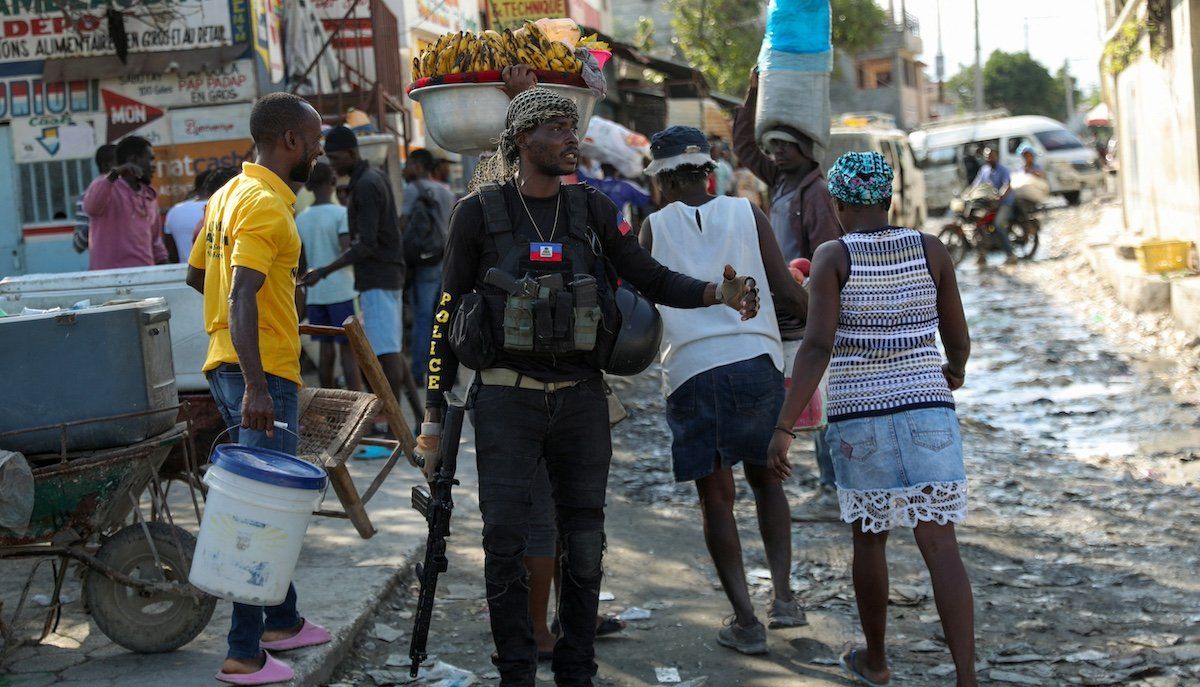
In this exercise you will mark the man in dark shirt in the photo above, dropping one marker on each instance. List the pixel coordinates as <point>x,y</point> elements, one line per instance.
<point>375,251</point>
<point>802,217</point>
<point>527,406</point>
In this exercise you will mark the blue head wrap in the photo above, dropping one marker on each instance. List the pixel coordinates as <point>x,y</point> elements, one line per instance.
<point>1025,148</point>
<point>861,179</point>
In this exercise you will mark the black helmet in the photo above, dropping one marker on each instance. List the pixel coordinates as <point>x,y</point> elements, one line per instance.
<point>639,337</point>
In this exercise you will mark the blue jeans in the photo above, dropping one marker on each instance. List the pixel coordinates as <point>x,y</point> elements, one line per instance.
<point>723,416</point>
<point>228,386</point>
<point>825,474</point>
<point>426,288</point>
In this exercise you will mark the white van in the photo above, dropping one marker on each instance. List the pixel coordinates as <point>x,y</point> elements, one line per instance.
<point>854,134</point>
<point>950,155</point>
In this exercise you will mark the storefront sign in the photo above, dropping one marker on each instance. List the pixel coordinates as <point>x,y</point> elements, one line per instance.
<point>176,166</point>
<point>46,29</point>
<point>512,14</point>
<point>231,83</point>
<point>30,96</point>
<point>268,36</point>
<point>438,13</point>
<point>202,124</point>
<point>125,115</point>
<point>66,136</point>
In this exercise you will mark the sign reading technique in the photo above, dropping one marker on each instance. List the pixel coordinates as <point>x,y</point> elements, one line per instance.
<point>512,14</point>
<point>41,30</point>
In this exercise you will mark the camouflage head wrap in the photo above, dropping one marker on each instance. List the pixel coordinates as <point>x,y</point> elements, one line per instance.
<point>529,109</point>
<point>861,179</point>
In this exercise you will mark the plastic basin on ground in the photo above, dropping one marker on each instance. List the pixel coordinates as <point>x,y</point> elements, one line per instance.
<point>467,118</point>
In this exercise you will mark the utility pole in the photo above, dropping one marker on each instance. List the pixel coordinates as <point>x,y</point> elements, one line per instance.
<point>978,66</point>
<point>940,61</point>
<point>1069,87</point>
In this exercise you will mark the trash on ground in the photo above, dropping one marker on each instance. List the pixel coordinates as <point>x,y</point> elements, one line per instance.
<point>386,633</point>
<point>634,613</point>
<point>667,675</point>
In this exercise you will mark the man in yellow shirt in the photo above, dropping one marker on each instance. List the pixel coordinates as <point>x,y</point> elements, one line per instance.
<point>244,263</point>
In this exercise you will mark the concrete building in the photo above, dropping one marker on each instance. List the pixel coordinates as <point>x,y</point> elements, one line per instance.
<point>888,78</point>
<point>1156,106</point>
<point>1150,80</point>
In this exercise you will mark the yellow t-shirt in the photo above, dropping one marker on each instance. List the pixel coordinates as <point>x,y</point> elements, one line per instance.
<point>249,223</point>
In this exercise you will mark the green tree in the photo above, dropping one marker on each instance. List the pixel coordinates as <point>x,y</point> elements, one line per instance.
<point>961,88</point>
<point>857,25</point>
<point>722,38</point>
<point>1014,81</point>
<point>1021,84</point>
<point>643,37</point>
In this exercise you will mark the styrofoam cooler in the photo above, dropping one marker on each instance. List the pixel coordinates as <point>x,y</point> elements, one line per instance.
<point>259,505</point>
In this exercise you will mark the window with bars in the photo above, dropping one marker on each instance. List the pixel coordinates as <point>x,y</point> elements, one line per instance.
<point>48,190</point>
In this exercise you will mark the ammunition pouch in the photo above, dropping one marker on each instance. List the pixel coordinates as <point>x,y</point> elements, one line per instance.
<point>470,334</point>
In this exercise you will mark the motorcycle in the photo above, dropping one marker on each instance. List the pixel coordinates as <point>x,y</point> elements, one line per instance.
<point>974,227</point>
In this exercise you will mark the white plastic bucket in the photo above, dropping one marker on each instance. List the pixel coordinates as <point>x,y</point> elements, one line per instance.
<point>258,508</point>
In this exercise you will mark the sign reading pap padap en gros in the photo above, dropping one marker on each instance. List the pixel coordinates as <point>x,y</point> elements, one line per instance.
<point>52,29</point>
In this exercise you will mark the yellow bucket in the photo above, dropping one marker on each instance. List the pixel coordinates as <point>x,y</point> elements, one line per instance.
<point>1158,257</point>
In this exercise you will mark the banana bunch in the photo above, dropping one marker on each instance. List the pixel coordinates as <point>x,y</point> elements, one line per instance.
<point>462,52</point>
<point>592,42</point>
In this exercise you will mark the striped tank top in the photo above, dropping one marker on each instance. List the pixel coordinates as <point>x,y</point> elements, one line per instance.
<point>885,356</point>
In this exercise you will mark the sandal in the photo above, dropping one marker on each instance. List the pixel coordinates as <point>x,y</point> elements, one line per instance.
<point>310,634</point>
<point>606,625</point>
<point>850,665</point>
<point>609,625</point>
<point>273,671</point>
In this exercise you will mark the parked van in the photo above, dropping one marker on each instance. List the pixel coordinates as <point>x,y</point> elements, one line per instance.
<point>878,134</point>
<point>950,154</point>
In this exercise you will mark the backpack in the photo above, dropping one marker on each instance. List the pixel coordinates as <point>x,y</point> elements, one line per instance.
<point>424,240</point>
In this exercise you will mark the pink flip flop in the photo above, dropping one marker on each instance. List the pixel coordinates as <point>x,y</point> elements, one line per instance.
<point>273,670</point>
<point>310,634</point>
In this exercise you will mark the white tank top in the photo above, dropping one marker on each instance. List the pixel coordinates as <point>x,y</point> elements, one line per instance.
<point>699,242</point>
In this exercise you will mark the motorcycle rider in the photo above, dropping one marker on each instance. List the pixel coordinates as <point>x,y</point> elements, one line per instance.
<point>998,177</point>
<point>1029,157</point>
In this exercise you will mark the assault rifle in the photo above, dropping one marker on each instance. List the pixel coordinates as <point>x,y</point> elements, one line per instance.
<point>436,504</point>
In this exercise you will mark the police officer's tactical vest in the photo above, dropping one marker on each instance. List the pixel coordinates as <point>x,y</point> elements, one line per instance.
<point>551,297</point>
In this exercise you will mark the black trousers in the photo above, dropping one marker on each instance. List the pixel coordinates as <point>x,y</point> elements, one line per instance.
<point>515,429</point>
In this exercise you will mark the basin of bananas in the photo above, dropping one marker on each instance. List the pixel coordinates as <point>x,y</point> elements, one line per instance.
<point>465,52</point>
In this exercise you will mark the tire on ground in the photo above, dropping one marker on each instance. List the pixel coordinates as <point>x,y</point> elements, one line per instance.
<point>147,624</point>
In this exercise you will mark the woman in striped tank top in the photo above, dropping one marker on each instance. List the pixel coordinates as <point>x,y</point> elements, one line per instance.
<point>879,296</point>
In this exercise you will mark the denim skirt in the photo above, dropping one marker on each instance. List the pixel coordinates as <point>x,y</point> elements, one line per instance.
<point>899,469</point>
<point>724,416</point>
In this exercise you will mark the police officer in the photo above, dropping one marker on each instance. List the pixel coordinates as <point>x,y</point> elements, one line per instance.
<point>529,301</point>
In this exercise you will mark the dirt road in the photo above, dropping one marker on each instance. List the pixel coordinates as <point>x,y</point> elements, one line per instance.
<point>1081,437</point>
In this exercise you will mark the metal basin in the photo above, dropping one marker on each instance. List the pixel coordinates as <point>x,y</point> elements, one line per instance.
<point>466,118</point>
